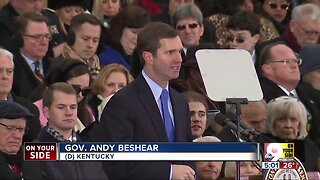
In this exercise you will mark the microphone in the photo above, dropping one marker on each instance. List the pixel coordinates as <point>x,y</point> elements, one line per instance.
<point>245,134</point>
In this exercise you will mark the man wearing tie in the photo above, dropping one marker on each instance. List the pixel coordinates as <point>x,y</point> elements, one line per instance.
<point>148,110</point>
<point>31,61</point>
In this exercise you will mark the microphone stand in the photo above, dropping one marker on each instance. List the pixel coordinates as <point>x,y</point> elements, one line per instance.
<point>237,102</point>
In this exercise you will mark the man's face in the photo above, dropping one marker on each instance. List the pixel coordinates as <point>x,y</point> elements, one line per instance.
<point>87,40</point>
<point>281,73</point>
<point>208,170</point>
<point>174,4</point>
<point>306,30</point>
<point>62,113</point>
<point>242,39</point>
<point>6,76</point>
<point>35,40</point>
<point>189,31</point>
<point>10,137</point>
<point>198,115</point>
<point>165,65</point>
<point>27,6</point>
<point>254,115</point>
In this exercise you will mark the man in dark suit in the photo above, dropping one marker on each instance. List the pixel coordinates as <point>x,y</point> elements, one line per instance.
<point>280,76</point>
<point>6,79</point>
<point>15,8</point>
<point>13,126</point>
<point>31,62</point>
<point>140,113</point>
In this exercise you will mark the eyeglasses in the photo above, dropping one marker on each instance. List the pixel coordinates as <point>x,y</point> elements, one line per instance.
<point>183,27</point>
<point>39,37</point>
<point>307,32</point>
<point>289,61</point>
<point>84,91</point>
<point>238,40</point>
<point>282,6</point>
<point>13,129</point>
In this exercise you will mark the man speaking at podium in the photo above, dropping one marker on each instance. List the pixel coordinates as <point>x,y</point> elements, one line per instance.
<point>148,110</point>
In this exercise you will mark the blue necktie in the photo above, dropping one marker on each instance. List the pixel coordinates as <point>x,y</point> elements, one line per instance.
<point>166,115</point>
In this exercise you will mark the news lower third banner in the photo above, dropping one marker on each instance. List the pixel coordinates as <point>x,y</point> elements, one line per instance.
<point>142,151</point>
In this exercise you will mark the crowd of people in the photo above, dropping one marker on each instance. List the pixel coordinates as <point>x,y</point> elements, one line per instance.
<point>126,71</point>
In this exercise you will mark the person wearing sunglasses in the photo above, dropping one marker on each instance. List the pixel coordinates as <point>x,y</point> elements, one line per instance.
<point>188,21</point>
<point>277,11</point>
<point>243,31</point>
<point>78,75</point>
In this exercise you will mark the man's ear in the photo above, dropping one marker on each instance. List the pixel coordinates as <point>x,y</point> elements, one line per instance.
<point>148,57</point>
<point>256,38</point>
<point>46,112</point>
<point>266,69</point>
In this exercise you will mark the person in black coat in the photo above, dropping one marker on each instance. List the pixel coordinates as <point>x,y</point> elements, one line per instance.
<point>13,125</point>
<point>31,61</point>
<point>6,80</point>
<point>287,123</point>
<point>60,107</point>
<point>280,76</point>
<point>15,8</point>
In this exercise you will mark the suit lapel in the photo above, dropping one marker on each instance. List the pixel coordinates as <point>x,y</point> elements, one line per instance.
<point>178,114</point>
<point>150,105</point>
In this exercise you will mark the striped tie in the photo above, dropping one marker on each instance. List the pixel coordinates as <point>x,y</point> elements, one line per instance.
<point>37,71</point>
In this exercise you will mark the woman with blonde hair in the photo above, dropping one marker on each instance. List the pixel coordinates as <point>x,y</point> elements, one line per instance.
<point>110,80</point>
<point>104,10</point>
<point>286,123</point>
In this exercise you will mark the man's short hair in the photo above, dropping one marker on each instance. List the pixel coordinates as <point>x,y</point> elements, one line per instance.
<point>192,96</point>
<point>6,53</point>
<point>310,10</point>
<point>21,22</point>
<point>82,18</point>
<point>150,35</point>
<point>60,86</point>
<point>265,56</point>
<point>184,11</point>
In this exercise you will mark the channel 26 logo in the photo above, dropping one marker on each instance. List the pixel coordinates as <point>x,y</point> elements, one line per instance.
<point>276,151</point>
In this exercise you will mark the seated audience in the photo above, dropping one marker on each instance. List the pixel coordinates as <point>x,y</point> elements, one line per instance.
<point>105,10</point>
<point>188,21</point>
<point>198,109</point>
<point>253,116</point>
<point>77,74</point>
<point>60,107</point>
<point>6,79</point>
<point>208,170</point>
<point>280,76</point>
<point>110,80</point>
<point>66,10</point>
<point>247,168</point>
<point>82,41</point>
<point>286,123</point>
<point>13,125</point>
<point>121,39</point>
<point>31,62</point>
<point>243,32</point>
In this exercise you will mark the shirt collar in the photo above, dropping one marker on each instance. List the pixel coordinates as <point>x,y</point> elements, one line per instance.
<point>155,88</point>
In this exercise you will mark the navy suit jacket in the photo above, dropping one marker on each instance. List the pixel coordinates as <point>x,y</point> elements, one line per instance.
<point>132,115</point>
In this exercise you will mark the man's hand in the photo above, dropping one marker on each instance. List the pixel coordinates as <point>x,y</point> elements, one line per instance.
<point>180,172</point>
